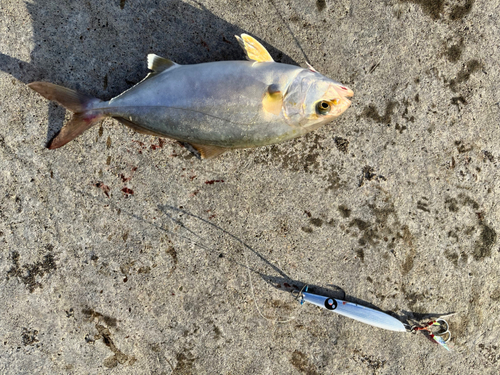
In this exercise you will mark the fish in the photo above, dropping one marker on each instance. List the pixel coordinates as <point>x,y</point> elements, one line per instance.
<point>212,107</point>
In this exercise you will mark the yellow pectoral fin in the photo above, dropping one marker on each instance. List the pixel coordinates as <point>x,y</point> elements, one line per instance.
<point>272,101</point>
<point>253,49</point>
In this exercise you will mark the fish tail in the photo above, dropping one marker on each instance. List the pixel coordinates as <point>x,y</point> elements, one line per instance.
<point>81,105</point>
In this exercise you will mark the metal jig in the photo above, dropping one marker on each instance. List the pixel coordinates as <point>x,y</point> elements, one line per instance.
<point>352,310</point>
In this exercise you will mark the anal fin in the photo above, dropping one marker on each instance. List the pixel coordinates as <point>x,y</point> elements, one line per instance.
<point>201,151</point>
<point>205,151</point>
<point>138,128</point>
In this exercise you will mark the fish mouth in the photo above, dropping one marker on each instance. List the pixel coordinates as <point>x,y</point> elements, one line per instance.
<point>344,104</point>
<point>346,101</point>
<point>343,90</point>
<point>348,93</point>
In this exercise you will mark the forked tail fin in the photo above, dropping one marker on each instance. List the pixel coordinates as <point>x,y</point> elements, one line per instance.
<point>81,105</point>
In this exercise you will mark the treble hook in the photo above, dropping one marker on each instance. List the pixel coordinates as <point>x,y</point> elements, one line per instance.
<point>438,330</point>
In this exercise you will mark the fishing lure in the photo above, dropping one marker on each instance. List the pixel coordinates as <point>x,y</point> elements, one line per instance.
<point>352,310</point>
<point>437,330</point>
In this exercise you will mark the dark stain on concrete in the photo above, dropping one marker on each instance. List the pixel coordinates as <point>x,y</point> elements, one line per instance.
<point>462,148</point>
<point>400,128</point>
<point>344,211</point>
<point>342,144</point>
<point>373,363</point>
<point>321,5</point>
<point>316,222</point>
<point>460,11</point>
<point>369,234</point>
<point>144,270</point>
<point>488,155</point>
<point>423,205</point>
<point>29,273</point>
<point>407,265</point>
<point>452,257</point>
<point>91,314</point>
<point>433,8</point>
<point>300,361</point>
<point>118,356</point>
<point>360,254</point>
<point>127,266</point>
<point>454,52</point>
<point>406,103</point>
<point>490,353</point>
<point>384,229</point>
<point>304,161</point>
<point>451,204</point>
<point>360,224</point>
<point>122,4</point>
<point>371,112</point>
<point>185,363</point>
<point>217,332</point>
<point>413,298</point>
<point>484,244</point>
<point>468,201</point>
<point>456,100</point>
<point>455,257</point>
<point>495,296</point>
<point>29,336</point>
<point>382,213</point>
<point>171,251</point>
<point>464,74</point>
<point>334,180</point>
<point>367,174</point>
<point>307,229</point>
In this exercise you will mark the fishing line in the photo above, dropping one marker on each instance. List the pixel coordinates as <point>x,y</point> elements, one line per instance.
<point>277,320</point>
<point>245,247</point>
<point>290,31</point>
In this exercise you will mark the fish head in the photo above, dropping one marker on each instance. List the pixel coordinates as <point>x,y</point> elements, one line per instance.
<point>313,100</point>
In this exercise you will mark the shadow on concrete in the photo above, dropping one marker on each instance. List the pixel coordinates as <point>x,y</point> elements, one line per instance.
<point>100,47</point>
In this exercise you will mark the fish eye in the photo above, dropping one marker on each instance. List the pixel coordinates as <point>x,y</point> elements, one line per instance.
<point>323,107</point>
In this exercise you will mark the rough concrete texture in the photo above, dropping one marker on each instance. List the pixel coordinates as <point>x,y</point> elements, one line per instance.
<point>122,253</point>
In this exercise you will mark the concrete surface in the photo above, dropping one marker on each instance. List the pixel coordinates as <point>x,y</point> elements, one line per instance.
<point>121,253</point>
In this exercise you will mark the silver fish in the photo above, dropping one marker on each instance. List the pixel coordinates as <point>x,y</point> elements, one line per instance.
<point>212,106</point>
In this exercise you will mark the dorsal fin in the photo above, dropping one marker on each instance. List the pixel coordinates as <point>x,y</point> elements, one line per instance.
<point>158,64</point>
<point>253,49</point>
<point>311,68</point>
